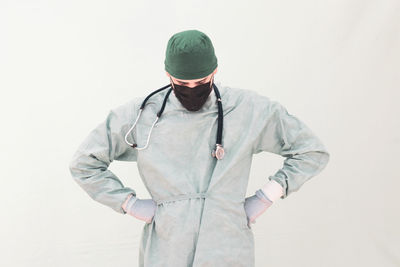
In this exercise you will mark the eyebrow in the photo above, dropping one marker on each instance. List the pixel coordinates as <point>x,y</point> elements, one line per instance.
<point>195,82</point>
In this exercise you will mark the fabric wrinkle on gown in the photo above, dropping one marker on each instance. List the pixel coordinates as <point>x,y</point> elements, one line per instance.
<point>200,218</point>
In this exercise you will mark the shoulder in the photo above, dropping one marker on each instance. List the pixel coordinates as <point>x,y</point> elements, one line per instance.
<point>252,99</point>
<point>127,110</point>
<point>236,97</point>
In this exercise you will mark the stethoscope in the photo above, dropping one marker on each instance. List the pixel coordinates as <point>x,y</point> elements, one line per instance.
<point>218,152</point>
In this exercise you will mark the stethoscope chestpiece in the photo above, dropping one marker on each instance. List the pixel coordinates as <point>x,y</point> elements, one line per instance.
<point>218,152</point>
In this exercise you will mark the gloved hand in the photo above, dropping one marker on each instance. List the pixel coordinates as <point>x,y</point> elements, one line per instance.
<point>255,205</point>
<point>262,200</point>
<point>142,209</point>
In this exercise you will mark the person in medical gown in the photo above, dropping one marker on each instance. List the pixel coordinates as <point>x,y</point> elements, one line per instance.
<point>198,214</point>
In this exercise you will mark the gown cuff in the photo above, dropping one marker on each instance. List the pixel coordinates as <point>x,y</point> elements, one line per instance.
<point>124,205</point>
<point>273,190</point>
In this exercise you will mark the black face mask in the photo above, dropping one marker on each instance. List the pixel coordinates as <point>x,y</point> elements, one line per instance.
<point>193,98</point>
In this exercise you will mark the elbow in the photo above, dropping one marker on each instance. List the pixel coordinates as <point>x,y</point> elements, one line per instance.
<point>71,166</point>
<point>74,169</point>
<point>324,159</point>
<point>323,156</point>
<point>318,158</point>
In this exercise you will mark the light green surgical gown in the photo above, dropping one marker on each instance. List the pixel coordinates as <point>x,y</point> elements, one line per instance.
<point>200,218</point>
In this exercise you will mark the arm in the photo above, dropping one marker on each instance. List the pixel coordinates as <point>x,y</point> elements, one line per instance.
<point>105,143</point>
<point>284,134</point>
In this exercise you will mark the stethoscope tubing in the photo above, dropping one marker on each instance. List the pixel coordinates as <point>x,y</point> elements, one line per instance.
<point>218,152</point>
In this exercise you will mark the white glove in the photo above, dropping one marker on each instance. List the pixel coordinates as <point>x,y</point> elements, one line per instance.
<point>255,206</point>
<point>142,209</point>
<point>262,200</point>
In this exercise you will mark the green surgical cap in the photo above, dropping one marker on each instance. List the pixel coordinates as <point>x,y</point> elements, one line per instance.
<point>190,55</point>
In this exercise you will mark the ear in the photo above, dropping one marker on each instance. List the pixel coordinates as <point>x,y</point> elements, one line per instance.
<point>172,83</point>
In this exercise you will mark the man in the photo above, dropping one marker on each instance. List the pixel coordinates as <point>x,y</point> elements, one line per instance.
<point>198,214</point>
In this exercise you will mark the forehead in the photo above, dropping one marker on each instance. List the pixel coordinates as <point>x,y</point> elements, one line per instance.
<point>195,81</point>
<point>191,81</point>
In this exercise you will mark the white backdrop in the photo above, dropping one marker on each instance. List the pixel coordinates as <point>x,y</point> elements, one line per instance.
<point>334,64</point>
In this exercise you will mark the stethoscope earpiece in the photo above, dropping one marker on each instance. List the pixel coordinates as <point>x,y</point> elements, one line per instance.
<point>218,152</point>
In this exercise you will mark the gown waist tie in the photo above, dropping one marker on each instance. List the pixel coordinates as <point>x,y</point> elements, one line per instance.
<point>182,197</point>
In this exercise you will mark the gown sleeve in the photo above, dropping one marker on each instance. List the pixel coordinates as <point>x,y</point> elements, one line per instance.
<point>105,143</point>
<point>282,133</point>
